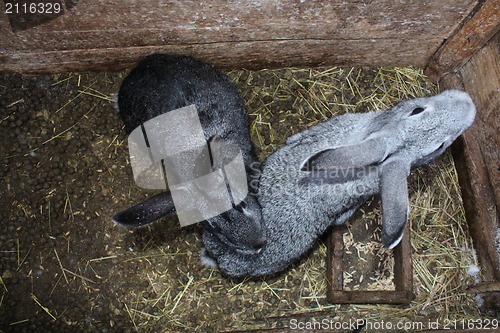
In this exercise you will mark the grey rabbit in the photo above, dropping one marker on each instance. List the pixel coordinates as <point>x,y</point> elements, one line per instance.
<point>161,83</point>
<point>323,174</point>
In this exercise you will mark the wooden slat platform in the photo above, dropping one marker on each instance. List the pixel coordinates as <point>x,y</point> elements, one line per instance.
<point>403,278</point>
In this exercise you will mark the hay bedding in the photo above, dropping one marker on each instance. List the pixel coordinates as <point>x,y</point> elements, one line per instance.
<point>61,249</point>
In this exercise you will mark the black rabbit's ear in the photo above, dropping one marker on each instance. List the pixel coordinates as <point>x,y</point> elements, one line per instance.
<point>395,204</point>
<point>214,145</point>
<point>360,155</point>
<point>147,211</point>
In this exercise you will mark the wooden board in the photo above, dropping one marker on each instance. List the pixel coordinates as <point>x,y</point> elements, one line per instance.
<point>478,29</point>
<point>113,34</point>
<point>477,156</point>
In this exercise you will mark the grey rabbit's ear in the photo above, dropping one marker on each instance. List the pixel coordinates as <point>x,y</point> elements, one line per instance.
<point>147,211</point>
<point>363,154</point>
<point>395,204</point>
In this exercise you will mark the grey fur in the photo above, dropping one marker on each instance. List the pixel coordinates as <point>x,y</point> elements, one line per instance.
<point>161,83</point>
<point>304,188</point>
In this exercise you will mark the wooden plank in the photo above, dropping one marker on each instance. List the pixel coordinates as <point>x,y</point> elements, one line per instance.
<point>477,195</point>
<point>484,287</point>
<point>479,28</point>
<point>481,77</point>
<point>335,260</point>
<point>250,55</point>
<point>371,297</point>
<point>477,158</point>
<point>403,266</point>
<point>111,34</point>
<point>99,23</point>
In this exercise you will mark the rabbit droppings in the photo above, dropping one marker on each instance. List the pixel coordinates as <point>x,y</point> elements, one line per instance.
<point>161,83</point>
<point>323,174</point>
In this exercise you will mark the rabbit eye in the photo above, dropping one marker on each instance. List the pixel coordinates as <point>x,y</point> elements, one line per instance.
<point>417,111</point>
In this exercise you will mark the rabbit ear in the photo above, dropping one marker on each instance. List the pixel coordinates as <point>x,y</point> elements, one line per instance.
<point>215,151</point>
<point>358,155</point>
<point>147,211</point>
<point>395,205</point>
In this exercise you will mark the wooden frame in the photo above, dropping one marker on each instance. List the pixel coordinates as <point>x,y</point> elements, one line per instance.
<point>481,25</point>
<point>403,278</point>
<point>456,41</point>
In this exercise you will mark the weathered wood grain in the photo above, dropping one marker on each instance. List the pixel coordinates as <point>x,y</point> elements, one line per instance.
<point>477,158</point>
<point>334,260</point>
<point>403,266</point>
<point>98,34</point>
<point>481,77</point>
<point>479,28</point>
<point>484,287</point>
<point>250,55</point>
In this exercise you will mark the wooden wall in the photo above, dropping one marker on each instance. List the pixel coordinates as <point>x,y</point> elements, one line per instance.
<point>114,34</point>
<point>477,158</point>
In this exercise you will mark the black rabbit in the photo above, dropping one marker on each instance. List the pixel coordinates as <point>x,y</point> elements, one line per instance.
<point>161,83</point>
